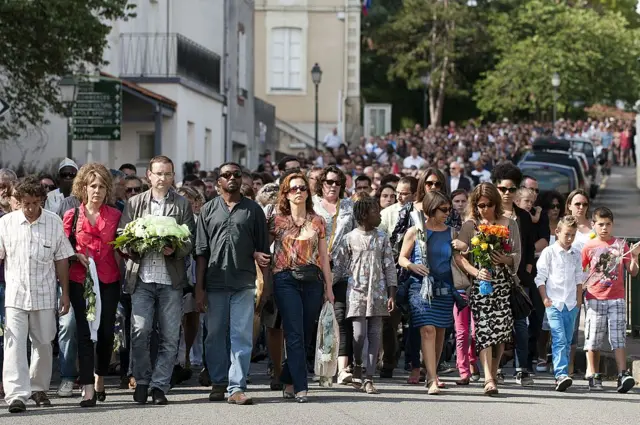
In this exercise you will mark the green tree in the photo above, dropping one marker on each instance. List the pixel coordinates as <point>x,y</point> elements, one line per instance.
<point>594,52</point>
<point>43,40</point>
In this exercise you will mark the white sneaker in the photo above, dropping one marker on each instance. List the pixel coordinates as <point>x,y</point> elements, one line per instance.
<point>344,377</point>
<point>65,389</point>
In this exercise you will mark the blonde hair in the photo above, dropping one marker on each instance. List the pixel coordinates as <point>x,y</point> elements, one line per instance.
<point>523,192</point>
<point>86,174</point>
<point>568,221</point>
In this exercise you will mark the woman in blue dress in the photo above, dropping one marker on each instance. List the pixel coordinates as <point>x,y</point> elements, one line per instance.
<point>426,250</point>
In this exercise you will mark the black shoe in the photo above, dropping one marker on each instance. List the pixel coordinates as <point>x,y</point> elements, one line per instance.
<point>158,397</point>
<point>41,399</point>
<point>625,382</point>
<point>101,396</point>
<point>179,375</point>
<point>386,373</point>
<point>595,383</point>
<point>204,379</point>
<point>563,383</point>
<point>89,402</point>
<point>141,394</point>
<point>17,406</point>
<point>124,383</point>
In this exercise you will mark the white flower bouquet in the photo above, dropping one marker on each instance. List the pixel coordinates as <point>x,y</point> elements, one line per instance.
<point>151,234</point>
<point>90,297</point>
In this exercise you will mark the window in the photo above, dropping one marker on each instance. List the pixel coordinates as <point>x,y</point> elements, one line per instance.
<point>146,146</point>
<point>242,63</point>
<point>286,59</point>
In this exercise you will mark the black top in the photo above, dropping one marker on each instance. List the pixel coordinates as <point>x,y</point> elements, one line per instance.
<point>527,241</point>
<point>228,239</point>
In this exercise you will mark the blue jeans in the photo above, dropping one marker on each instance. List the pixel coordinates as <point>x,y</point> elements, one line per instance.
<point>561,324</point>
<point>299,304</point>
<point>151,300</point>
<point>68,343</point>
<point>229,340</point>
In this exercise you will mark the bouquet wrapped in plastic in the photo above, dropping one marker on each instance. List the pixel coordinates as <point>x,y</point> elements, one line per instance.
<point>327,343</point>
<point>151,234</point>
<point>488,239</point>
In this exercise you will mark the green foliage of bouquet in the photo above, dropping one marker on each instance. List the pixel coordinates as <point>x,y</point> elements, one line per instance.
<point>90,297</point>
<point>151,234</point>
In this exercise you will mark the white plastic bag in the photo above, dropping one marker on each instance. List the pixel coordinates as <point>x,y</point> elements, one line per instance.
<point>95,324</point>
<point>426,290</point>
<point>327,344</point>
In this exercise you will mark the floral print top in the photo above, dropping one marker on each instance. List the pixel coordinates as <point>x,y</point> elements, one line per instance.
<point>293,245</point>
<point>366,257</point>
<point>344,223</point>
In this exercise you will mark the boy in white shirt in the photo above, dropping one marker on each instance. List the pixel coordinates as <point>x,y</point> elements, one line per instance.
<point>559,280</point>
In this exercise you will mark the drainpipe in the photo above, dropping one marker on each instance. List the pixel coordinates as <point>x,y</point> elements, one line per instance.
<point>228,146</point>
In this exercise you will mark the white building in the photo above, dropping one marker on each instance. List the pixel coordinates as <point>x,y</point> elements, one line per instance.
<point>177,98</point>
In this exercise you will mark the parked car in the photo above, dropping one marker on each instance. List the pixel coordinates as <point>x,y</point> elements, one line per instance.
<point>561,178</point>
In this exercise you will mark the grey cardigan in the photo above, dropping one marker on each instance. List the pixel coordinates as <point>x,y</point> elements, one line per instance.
<point>177,207</point>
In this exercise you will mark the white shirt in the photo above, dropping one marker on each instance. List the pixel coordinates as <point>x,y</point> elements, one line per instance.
<point>410,161</point>
<point>483,176</point>
<point>53,201</point>
<point>153,267</point>
<point>332,141</point>
<point>454,182</point>
<point>561,271</point>
<point>29,251</point>
<point>390,218</point>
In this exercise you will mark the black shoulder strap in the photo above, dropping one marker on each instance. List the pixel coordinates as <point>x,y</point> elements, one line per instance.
<point>72,234</point>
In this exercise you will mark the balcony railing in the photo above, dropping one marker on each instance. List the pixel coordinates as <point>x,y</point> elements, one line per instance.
<point>168,55</point>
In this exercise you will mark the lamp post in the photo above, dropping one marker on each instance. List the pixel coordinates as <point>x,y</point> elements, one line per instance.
<point>68,94</point>
<point>316,77</point>
<point>555,82</point>
<point>426,80</point>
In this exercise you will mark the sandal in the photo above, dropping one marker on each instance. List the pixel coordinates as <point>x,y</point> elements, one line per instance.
<point>440,383</point>
<point>369,388</point>
<point>433,387</point>
<point>463,381</point>
<point>490,387</point>
<point>414,379</point>
<point>356,379</point>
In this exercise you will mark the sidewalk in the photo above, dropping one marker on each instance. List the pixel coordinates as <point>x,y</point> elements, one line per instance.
<point>621,195</point>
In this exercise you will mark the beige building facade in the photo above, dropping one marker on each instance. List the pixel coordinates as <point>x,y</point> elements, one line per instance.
<point>290,37</point>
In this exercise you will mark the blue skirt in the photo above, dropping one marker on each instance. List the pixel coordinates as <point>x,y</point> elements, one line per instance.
<point>439,313</point>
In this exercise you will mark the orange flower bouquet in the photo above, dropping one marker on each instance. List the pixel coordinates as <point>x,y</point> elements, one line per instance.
<point>489,238</point>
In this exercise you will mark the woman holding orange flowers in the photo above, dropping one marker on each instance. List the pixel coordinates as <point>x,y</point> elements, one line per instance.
<point>490,308</point>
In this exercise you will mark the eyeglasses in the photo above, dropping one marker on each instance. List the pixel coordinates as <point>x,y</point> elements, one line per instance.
<point>295,189</point>
<point>555,206</point>
<point>67,176</point>
<point>535,190</point>
<point>504,189</point>
<point>445,210</point>
<point>433,184</point>
<point>134,190</point>
<point>404,193</point>
<point>332,182</point>
<point>484,206</point>
<point>581,204</point>
<point>235,174</point>
<point>163,175</point>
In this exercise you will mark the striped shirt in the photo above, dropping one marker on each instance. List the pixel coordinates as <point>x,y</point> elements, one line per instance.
<point>29,251</point>
<point>153,267</point>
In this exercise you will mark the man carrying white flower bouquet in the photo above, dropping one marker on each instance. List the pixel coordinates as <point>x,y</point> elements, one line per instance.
<point>155,281</point>
<point>232,236</point>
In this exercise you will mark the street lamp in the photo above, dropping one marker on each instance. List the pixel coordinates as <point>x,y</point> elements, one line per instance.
<point>425,80</point>
<point>68,93</point>
<point>555,82</point>
<point>316,77</point>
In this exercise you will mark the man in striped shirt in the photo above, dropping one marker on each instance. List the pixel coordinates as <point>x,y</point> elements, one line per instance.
<point>35,250</point>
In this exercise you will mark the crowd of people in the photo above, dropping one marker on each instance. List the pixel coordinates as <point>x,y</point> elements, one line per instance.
<point>385,231</point>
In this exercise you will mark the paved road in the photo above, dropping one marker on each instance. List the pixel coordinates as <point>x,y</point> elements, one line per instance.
<point>398,403</point>
<point>623,197</point>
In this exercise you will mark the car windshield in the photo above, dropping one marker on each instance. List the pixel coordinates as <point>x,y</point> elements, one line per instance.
<point>549,179</point>
<point>586,148</point>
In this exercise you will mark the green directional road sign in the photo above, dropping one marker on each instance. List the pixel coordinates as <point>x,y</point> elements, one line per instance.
<point>97,113</point>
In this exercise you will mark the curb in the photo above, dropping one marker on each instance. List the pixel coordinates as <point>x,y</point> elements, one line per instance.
<point>608,366</point>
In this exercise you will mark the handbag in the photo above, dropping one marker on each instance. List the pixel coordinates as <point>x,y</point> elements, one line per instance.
<point>461,279</point>
<point>307,273</point>
<point>521,305</point>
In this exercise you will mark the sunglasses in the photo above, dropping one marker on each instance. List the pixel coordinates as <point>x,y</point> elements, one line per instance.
<point>432,184</point>
<point>68,175</point>
<point>581,204</point>
<point>555,206</point>
<point>236,174</point>
<point>49,186</point>
<point>484,206</point>
<point>332,182</point>
<point>295,189</point>
<point>504,189</point>
<point>445,210</point>
<point>134,190</point>
<point>536,190</point>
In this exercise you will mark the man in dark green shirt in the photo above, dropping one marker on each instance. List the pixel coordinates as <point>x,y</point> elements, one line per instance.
<point>232,235</point>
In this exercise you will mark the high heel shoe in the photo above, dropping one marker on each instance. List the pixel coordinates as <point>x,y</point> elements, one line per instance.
<point>89,402</point>
<point>101,395</point>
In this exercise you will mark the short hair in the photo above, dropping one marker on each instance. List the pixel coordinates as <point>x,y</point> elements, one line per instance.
<point>283,203</point>
<point>43,176</point>
<point>602,212</point>
<point>161,159</point>
<point>423,182</point>
<point>268,194</point>
<point>132,178</point>
<point>363,177</point>
<point>228,163</point>
<point>29,186</point>
<point>568,221</point>
<point>522,192</point>
<point>488,191</point>
<point>363,205</point>
<point>258,176</point>
<point>283,162</point>
<point>127,166</point>
<point>247,191</point>
<point>196,183</point>
<point>85,176</point>
<point>7,175</point>
<point>459,192</point>
<point>432,201</point>
<point>383,187</point>
<point>191,194</point>
<point>411,181</point>
<point>117,174</point>
<point>527,176</point>
<point>506,171</point>
<point>189,178</point>
<point>389,178</point>
<point>323,176</point>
